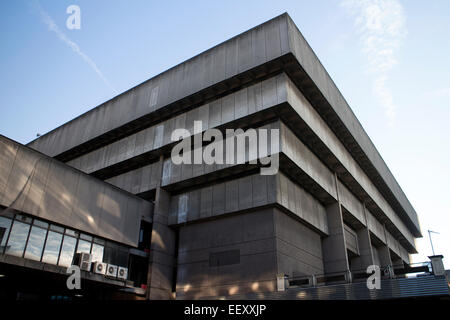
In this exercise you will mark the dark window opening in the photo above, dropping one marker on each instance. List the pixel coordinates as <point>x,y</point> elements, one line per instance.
<point>224,258</point>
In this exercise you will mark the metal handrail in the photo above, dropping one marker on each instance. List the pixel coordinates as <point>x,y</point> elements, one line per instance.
<point>349,276</point>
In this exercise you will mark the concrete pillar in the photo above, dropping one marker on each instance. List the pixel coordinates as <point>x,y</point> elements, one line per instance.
<point>162,250</point>
<point>385,256</point>
<point>384,253</point>
<point>397,263</point>
<point>333,247</point>
<point>365,258</point>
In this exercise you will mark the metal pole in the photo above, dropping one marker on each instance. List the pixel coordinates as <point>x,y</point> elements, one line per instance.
<point>431,241</point>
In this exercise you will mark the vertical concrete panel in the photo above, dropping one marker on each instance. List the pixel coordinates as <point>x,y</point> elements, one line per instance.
<point>18,178</point>
<point>241,107</point>
<point>162,250</point>
<point>87,211</point>
<point>291,195</point>
<point>194,205</point>
<point>269,93</point>
<point>219,62</point>
<point>272,188</point>
<point>112,213</point>
<point>227,108</point>
<point>167,172</point>
<point>215,114</point>
<point>258,45</point>
<point>218,199</point>
<point>156,174</point>
<point>182,208</point>
<point>180,121</point>
<point>35,189</point>
<point>167,133</point>
<point>149,139</point>
<point>175,173</point>
<point>251,99</point>
<point>203,116</point>
<point>145,174</point>
<point>282,88</point>
<point>245,60</point>
<point>131,146</point>
<point>231,196</point>
<point>159,135</point>
<point>365,258</point>
<point>8,153</point>
<point>284,36</point>
<point>186,171</point>
<point>273,44</point>
<point>191,116</point>
<point>245,193</point>
<point>259,190</point>
<point>132,221</point>
<point>298,204</point>
<point>207,67</point>
<point>231,58</point>
<point>384,256</point>
<point>333,246</point>
<point>206,202</point>
<point>136,178</point>
<point>173,210</point>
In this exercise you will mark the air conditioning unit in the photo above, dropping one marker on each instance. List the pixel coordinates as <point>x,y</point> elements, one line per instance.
<point>122,273</point>
<point>100,267</point>
<point>111,270</point>
<point>83,260</point>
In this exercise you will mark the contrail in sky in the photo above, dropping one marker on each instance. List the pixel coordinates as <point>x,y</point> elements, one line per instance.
<point>75,48</point>
<point>381,25</point>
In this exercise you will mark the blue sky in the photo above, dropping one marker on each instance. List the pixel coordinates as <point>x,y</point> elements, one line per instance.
<point>389,58</point>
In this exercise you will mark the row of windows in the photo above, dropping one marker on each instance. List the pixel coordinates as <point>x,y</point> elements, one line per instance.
<point>37,240</point>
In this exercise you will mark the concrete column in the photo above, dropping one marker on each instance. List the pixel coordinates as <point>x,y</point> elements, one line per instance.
<point>397,263</point>
<point>383,252</point>
<point>385,256</point>
<point>333,247</point>
<point>365,258</point>
<point>162,250</point>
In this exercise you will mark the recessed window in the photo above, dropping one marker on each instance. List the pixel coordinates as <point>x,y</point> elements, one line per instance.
<point>67,251</point>
<point>52,247</point>
<point>84,246</point>
<point>224,258</point>
<point>35,243</point>
<point>5,224</point>
<point>17,239</point>
<point>97,252</point>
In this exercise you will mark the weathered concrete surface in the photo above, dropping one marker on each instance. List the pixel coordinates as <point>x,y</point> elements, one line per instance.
<point>41,186</point>
<point>277,39</point>
<point>246,245</point>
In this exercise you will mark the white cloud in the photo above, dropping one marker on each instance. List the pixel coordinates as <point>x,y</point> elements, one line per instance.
<point>75,48</point>
<point>441,92</point>
<point>381,25</point>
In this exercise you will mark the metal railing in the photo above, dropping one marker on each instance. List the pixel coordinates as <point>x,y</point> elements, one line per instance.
<point>352,276</point>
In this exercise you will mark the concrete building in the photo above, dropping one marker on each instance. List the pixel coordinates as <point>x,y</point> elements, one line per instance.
<point>209,230</point>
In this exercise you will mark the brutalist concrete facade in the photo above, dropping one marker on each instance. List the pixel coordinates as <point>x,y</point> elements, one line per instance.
<point>218,230</point>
